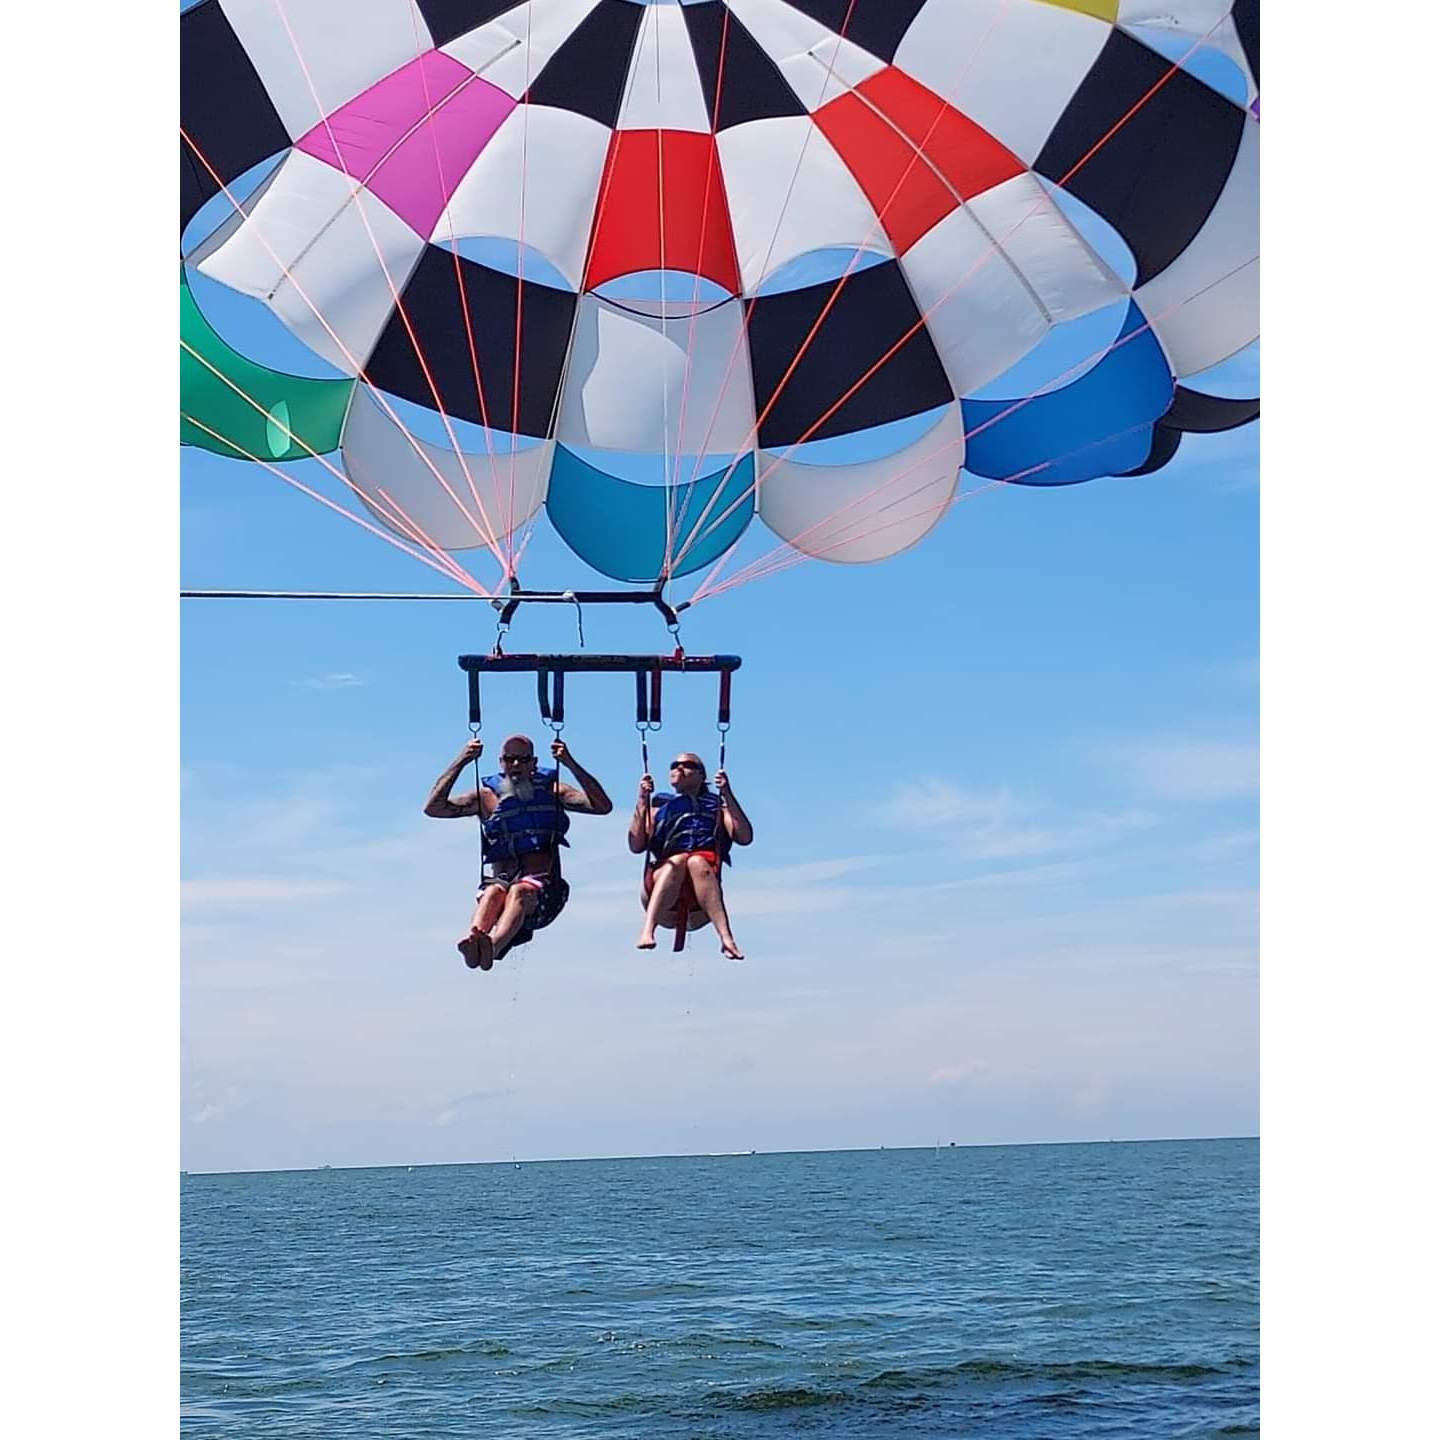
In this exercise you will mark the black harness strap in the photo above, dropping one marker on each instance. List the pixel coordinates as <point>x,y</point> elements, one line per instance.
<point>722,721</point>
<point>473,677</point>
<point>551,687</point>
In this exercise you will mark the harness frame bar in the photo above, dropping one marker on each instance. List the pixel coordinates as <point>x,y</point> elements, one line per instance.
<point>602,664</point>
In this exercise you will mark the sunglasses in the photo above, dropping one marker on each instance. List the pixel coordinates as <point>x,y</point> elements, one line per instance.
<point>685,765</point>
<point>520,759</point>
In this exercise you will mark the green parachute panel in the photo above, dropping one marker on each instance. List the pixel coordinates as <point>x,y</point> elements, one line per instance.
<point>292,408</point>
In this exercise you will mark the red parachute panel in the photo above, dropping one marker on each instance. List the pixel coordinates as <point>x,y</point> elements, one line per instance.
<point>912,153</point>
<point>695,235</point>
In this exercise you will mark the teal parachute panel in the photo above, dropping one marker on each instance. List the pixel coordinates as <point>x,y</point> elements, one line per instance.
<point>619,528</point>
<point>234,407</point>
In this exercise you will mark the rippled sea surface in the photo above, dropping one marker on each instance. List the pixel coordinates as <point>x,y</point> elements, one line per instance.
<point>1026,1291</point>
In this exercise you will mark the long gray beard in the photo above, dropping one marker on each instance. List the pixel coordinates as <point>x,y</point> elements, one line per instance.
<point>520,789</point>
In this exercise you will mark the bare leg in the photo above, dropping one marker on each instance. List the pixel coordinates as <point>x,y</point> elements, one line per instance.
<point>520,903</point>
<point>668,877</point>
<point>712,902</point>
<point>474,945</point>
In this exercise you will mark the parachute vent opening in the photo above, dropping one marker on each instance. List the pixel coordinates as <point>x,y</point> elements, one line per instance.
<point>819,267</point>
<point>1236,378</point>
<point>220,208</point>
<point>1067,351</point>
<point>1207,64</point>
<point>249,326</point>
<point>508,257</point>
<point>664,294</point>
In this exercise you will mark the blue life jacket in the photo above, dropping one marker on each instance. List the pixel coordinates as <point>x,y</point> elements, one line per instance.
<point>519,827</point>
<point>688,822</point>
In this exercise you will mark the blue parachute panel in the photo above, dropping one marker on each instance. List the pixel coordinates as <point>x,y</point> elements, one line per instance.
<point>618,527</point>
<point>1099,425</point>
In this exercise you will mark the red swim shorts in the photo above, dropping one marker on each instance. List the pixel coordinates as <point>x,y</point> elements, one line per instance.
<point>685,898</point>
<point>710,857</point>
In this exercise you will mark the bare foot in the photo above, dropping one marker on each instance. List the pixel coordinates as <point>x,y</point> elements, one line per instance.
<point>477,949</point>
<point>646,941</point>
<point>730,950</point>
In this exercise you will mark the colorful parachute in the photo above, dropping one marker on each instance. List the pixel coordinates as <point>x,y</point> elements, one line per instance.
<point>657,267</point>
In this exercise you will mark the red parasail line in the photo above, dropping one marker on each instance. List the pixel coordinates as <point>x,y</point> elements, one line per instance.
<point>405,522</point>
<point>919,324</point>
<point>451,574</point>
<point>395,296</point>
<point>340,344</point>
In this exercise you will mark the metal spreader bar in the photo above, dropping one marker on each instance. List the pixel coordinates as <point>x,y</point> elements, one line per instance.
<point>579,664</point>
<point>510,602</point>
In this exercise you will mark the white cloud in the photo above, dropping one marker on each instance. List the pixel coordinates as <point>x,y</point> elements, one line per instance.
<point>938,802</point>
<point>814,872</point>
<point>1054,872</point>
<point>457,1108</point>
<point>994,825</point>
<point>1228,459</point>
<point>799,889</point>
<point>345,957</point>
<point>223,890</point>
<point>1224,847</point>
<point>1239,900</point>
<point>1184,768</point>
<point>958,1074</point>
<point>341,680</point>
<point>229,1100</point>
<point>1092,1094</point>
<point>224,816</point>
<point>1241,676</point>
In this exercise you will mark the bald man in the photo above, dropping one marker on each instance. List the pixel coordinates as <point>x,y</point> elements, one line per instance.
<point>525,812</point>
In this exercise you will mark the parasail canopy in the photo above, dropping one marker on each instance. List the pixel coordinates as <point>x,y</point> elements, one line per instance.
<point>661,270</point>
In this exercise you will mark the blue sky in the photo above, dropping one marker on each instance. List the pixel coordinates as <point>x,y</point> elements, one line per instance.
<point>1003,888</point>
<point>1004,882</point>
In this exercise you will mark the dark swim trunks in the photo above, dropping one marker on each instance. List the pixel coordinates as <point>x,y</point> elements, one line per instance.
<point>553,888</point>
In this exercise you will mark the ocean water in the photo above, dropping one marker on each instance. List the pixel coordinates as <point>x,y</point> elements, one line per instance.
<point>1007,1293</point>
